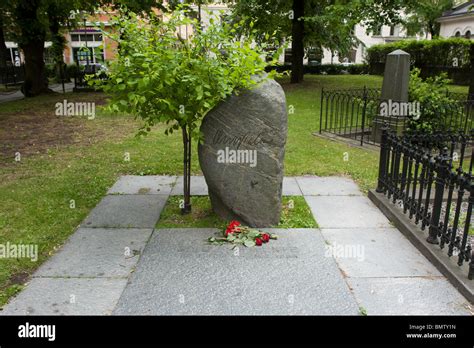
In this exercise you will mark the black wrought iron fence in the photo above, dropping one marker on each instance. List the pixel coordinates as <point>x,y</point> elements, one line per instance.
<point>456,114</point>
<point>349,113</point>
<point>355,114</point>
<point>80,82</point>
<point>12,75</point>
<point>429,176</point>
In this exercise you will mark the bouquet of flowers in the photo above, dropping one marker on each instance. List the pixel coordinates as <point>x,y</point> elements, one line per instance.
<point>235,233</point>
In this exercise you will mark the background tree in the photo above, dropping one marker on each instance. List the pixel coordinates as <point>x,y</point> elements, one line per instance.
<point>422,16</point>
<point>314,23</point>
<point>297,47</point>
<point>35,21</point>
<point>162,77</point>
<point>173,4</point>
<point>30,18</point>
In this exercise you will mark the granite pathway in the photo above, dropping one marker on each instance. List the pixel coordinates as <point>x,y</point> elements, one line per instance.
<point>355,262</point>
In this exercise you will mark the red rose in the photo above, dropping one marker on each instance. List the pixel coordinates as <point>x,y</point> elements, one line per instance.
<point>258,241</point>
<point>232,227</point>
<point>265,237</point>
<point>234,223</point>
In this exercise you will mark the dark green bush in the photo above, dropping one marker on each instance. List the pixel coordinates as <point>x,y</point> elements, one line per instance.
<point>329,69</point>
<point>50,70</point>
<point>438,108</point>
<point>71,70</point>
<point>432,57</point>
<point>358,69</point>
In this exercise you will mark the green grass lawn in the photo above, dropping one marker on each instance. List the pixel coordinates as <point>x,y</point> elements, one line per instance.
<point>37,191</point>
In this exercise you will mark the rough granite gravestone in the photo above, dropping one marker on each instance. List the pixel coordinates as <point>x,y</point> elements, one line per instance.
<point>242,154</point>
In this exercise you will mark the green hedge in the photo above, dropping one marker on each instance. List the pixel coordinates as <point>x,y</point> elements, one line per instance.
<point>328,69</point>
<point>69,72</point>
<point>431,56</point>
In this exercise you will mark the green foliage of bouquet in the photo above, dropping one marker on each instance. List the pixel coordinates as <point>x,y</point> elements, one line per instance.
<point>237,234</point>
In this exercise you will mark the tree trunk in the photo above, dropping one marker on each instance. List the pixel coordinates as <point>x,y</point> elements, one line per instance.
<point>433,30</point>
<point>297,46</point>
<point>199,14</point>
<point>4,54</point>
<point>31,41</point>
<point>36,81</point>
<point>186,208</point>
<point>471,73</point>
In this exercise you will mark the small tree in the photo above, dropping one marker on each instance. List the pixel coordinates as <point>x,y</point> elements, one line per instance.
<point>162,76</point>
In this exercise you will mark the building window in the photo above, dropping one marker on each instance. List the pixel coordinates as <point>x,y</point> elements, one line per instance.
<point>376,31</point>
<point>350,57</point>
<point>81,37</point>
<point>315,56</point>
<point>458,34</point>
<point>91,55</point>
<point>468,34</point>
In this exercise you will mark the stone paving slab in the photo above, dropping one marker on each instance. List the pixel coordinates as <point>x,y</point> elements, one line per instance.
<point>127,211</point>
<point>97,252</point>
<point>377,252</point>
<point>135,184</point>
<point>345,212</point>
<point>180,274</point>
<point>409,296</point>
<point>327,186</point>
<point>290,187</point>
<point>198,186</point>
<point>53,296</point>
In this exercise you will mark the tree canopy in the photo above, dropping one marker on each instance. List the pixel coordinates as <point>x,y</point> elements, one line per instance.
<point>422,16</point>
<point>326,23</point>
